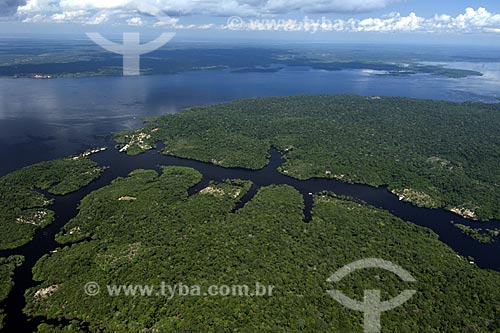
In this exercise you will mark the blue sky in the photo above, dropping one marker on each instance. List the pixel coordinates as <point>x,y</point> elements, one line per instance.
<point>447,21</point>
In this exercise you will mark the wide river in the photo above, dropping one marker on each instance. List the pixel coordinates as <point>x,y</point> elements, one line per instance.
<point>47,119</point>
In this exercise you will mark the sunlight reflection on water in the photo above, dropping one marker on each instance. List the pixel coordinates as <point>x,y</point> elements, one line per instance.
<point>46,119</point>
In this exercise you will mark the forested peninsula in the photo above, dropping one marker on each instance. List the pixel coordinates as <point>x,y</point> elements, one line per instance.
<point>431,153</point>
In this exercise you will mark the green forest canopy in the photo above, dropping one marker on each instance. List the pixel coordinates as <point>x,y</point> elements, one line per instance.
<point>7,266</point>
<point>431,153</point>
<point>166,235</point>
<point>23,209</point>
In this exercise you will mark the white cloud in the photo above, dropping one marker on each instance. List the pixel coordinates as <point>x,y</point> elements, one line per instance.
<point>93,4</point>
<point>36,18</point>
<point>100,18</point>
<point>69,16</point>
<point>492,30</point>
<point>471,21</point>
<point>326,6</point>
<point>152,13</point>
<point>206,7</point>
<point>135,22</point>
<point>194,26</point>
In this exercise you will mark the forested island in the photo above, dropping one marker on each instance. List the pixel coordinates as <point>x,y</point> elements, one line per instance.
<point>431,153</point>
<point>480,234</point>
<point>23,208</point>
<point>83,59</point>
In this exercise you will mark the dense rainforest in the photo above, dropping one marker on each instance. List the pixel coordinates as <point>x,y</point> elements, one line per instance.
<point>23,208</point>
<point>431,153</point>
<point>7,266</point>
<point>145,229</point>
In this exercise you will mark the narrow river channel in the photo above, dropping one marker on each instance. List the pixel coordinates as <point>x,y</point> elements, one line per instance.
<point>120,165</point>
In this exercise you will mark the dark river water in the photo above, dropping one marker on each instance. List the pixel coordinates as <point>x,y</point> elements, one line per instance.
<point>120,165</point>
<point>41,120</point>
<point>47,119</point>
